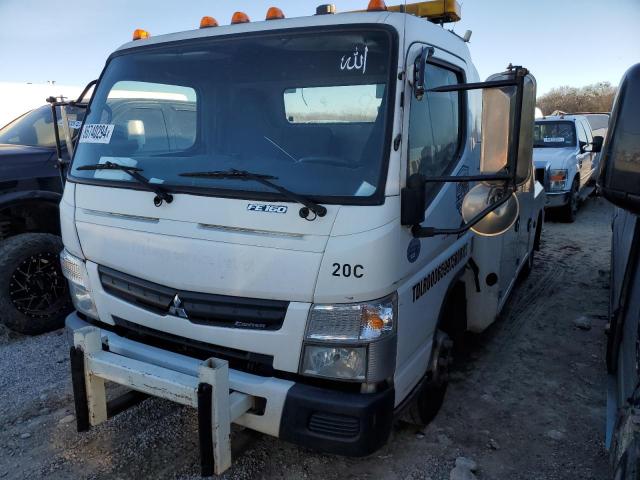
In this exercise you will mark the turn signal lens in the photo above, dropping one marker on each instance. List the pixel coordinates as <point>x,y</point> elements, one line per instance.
<point>377,6</point>
<point>240,17</point>
<point>274,13</point>
<point>207,22</point>
<point>140,34</point>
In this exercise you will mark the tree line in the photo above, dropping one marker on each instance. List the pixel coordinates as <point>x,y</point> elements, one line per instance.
<point>597,97</point>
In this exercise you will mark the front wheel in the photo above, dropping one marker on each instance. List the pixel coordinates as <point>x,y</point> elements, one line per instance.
<point>33,293</point>
<point>570,210</point>
<point>430,398</point>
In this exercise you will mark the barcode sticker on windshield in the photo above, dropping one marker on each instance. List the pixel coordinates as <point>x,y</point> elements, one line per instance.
<point>96,133</point>
<point>553,140</point>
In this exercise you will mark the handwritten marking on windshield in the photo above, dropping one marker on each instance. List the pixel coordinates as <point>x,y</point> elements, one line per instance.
<point>357,61</point>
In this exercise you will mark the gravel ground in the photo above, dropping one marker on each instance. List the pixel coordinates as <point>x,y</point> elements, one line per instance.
<point>526,400</point>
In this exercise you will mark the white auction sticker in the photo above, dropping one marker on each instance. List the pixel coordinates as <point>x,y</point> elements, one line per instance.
<point>96,133</point>
<point>553,140</point>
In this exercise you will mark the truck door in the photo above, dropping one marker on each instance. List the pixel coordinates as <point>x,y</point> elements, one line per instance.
<point>590,155</point>
<point>583,159</point>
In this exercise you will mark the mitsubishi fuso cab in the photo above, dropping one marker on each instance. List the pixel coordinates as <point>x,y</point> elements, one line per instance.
<point>286,223</point>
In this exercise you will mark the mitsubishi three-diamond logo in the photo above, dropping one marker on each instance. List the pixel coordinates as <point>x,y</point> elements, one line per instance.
<point>176,309</point>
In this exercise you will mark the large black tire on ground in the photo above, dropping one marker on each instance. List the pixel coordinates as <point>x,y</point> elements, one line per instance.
<point>429,398</point>
<point>570,210</point>
<point>424,408</point>
<point>34,295</point>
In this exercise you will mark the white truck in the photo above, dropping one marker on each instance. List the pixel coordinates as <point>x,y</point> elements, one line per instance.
<point>281,230</point>
<point>565,157</point>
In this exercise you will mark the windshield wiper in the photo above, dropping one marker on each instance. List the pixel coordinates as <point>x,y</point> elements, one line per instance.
<point>309,206</point>
<point>161,194</point>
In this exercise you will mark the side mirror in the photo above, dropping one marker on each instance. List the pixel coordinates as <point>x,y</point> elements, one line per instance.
<point>508,116</point>
<point>507,131</point>
<point>584,147</point>
<point>596,146</point>
<point>620,161</point>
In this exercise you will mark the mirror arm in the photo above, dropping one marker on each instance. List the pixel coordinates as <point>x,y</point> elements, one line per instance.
<point>469,178</point>
<point>82,95</point>
<point>426,232</point>
<point>461,87</point>
<point>56,131</point>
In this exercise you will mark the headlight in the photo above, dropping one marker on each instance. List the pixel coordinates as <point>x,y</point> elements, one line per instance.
<point>343,363</point>
<point>354,342</point>
<point>356,322</point>
<point>75,271</point>
<point>557,180</point>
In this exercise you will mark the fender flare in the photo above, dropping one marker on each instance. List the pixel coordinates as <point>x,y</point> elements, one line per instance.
<point>15,198</point>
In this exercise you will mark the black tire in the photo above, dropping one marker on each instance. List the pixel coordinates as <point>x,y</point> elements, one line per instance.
<point>570,210</point>
<point>34,295</point>
<point>429,399</point>
<point>426,405</point>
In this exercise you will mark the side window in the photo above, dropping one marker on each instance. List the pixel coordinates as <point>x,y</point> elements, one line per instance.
<point>434,127</point>
<point>582,136</point>
<point>587,129</point>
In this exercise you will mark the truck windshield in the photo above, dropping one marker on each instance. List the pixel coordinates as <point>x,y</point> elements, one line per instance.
<point>307,108</point>
<point>554,135</point>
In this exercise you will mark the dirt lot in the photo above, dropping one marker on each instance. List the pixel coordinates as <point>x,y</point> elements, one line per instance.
<point>526,402</point>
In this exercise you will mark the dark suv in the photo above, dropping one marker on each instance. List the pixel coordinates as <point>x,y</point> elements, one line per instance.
<point>33,292</point>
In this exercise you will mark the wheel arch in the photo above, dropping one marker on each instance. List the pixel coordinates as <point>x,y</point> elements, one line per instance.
<point>32,211</point>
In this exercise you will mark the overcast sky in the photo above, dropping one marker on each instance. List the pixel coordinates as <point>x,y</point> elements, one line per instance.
<point>563,42</point>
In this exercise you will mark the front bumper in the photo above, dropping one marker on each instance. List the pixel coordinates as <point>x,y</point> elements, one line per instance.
<point>327,420</point>
<point>556,199</point>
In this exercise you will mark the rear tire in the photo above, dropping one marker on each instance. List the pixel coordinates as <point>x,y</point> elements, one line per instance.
<point>570,210</point>
<point>34,295</point>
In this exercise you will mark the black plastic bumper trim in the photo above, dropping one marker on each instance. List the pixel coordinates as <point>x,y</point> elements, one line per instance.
<point>348,424</point>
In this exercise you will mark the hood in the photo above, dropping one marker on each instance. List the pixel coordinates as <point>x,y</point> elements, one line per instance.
<point>8,150</point>
<point>21,161</point>
<point>553,157</point>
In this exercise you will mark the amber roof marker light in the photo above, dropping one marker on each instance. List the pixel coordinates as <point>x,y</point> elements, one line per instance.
<point>208,22</point>
<point>140,34</point>
<point>377,6</point>
<point>274,13</point>
<point>239,17</point>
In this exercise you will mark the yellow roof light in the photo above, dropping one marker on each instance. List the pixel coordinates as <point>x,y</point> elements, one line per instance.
<point>207,22</point>
<point>140,34</point>
<point>240,17</point>
<point>436,11</point>
<point>377,6</point>
<point>274,13</point>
